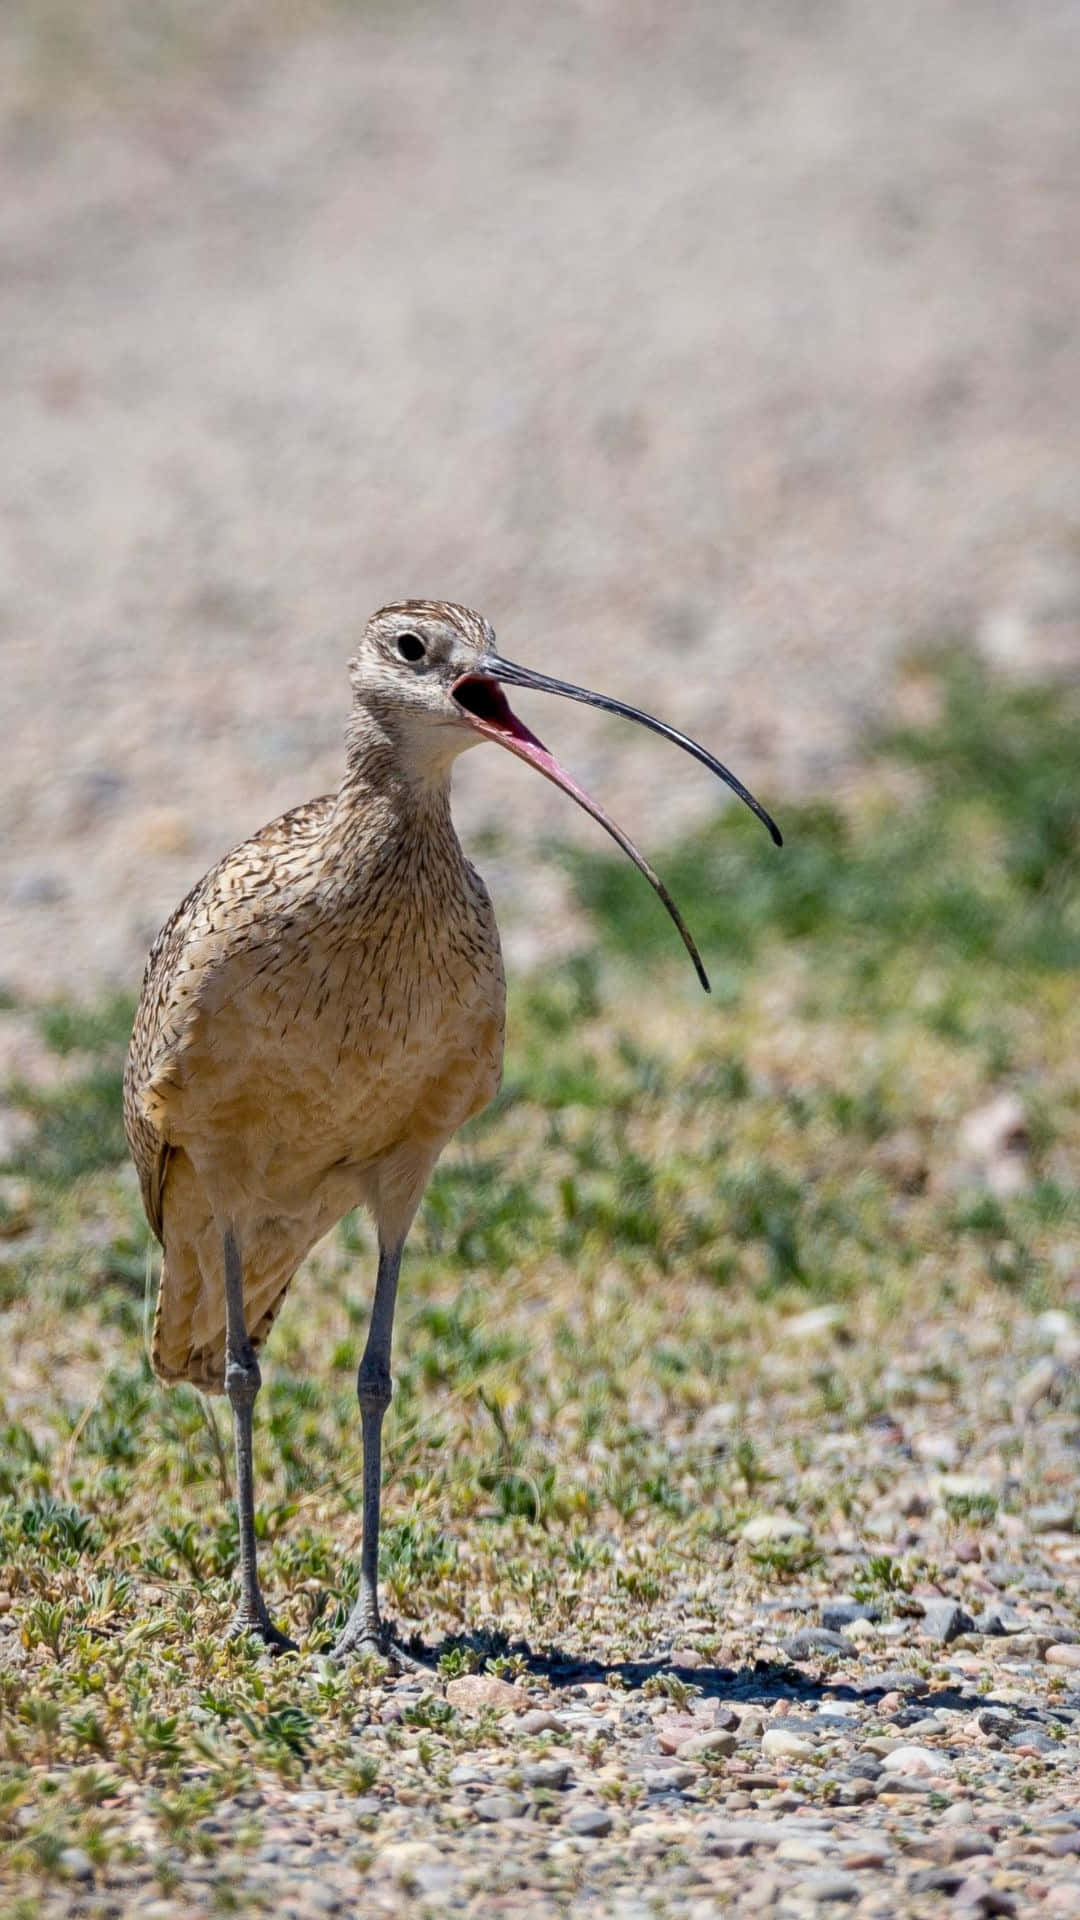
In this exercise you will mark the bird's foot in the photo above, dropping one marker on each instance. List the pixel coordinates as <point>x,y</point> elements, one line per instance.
<point>259,1626</point>
<point>360,1639</point>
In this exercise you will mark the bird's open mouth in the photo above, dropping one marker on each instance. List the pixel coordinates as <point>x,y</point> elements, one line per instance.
<point>486,703</point>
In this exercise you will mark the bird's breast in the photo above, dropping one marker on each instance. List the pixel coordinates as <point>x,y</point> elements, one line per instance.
<point>333,1046</point>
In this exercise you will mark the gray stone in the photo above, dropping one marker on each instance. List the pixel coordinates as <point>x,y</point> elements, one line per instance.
<point>1064,1844</point>
<point>854,1792</point>
<point>945,1620</point>
<point>668,1779</point>
<point>839,1614</point>
<point>76,1864</point>
<point>814,1640</point>
<point>978,1896</point>
<point>946,1847</point>
<point>468,1774</point>
<point>545,1773</point>
<point>937,1880</point>
<point>823,1888</point>
<point>591,1821</point>
<point>1000,1618</point>
<point>538,1720</point>
<point>497,1806</point>
<point>995,1720</point>
<point>1036,1737</point>
<point>895,1680</point>
<point>703,1746</point>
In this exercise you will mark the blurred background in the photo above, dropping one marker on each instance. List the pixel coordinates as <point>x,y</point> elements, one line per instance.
<point>720,354</point>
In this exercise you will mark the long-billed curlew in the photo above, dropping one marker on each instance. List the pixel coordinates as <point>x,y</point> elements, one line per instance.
<point>318,1017</point>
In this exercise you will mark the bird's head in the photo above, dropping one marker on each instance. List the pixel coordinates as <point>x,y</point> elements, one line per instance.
<point>428,674</point>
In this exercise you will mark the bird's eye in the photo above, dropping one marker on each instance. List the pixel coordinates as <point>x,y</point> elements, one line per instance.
<point>410,647</point>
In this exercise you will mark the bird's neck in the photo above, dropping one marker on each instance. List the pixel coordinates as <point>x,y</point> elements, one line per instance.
<point>392,794</point>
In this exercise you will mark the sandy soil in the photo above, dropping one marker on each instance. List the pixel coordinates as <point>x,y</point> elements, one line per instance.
<point>717,353</point>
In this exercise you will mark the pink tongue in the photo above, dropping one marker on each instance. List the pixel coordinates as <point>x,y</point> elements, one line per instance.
<point>508,723</point>
<point>505,724</point>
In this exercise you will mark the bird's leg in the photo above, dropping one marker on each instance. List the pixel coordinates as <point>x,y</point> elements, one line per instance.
<point>242,1381</point>
<point>363,1631</point>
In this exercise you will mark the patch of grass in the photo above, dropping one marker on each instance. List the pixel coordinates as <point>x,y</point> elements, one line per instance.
<point>78,1126</point>
<point>102,1029</point>
<point>982,865</point>
<point>77,1129</point>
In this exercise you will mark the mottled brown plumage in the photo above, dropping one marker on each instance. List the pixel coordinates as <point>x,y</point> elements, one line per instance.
<point>318,1017</point>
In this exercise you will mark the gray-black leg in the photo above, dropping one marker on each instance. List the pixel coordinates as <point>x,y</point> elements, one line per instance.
<point>363,1631</point>
<point>242,1381</point>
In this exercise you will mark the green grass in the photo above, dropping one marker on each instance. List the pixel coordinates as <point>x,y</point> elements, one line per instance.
<point>602,1261</point>
<point>978,866</point>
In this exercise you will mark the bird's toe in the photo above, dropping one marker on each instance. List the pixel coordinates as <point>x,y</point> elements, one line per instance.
<point>365,1644</point>
<point>263,1630</point>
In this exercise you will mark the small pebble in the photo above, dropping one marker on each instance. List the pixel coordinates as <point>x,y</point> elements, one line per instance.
<point>1063,1845</point>
<point>814,1640</point>
<point>545,1773</point>
<point>468,1774</point>
<point>701,1746</point>
<point>839,1614</point>
<point>591,1821</point>
<point>937,1880</point>
<point>669,1779</point>
<point>497,1806</point>
<point>824,1888</point>
<point>773,1526</point>
<point>976,1895</point>
<point>960,1814</point>
<point>472,1692</point>
<point>895,1680</point>
<point>995,1720</point>
<point>539,1720</point>
<point>801,1853</point>
<point>947,1847</point>
<point>778,1744</point>
<point>944,1620</point>
<point>76,1864</point>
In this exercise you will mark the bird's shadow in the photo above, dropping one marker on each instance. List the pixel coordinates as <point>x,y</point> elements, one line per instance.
<point>760,1683</point>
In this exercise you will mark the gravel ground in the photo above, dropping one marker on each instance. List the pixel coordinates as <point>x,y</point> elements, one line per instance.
<point>716,355</point>
<point>905,1752</point>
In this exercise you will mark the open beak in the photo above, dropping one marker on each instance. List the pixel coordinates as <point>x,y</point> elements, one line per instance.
<point>480,696</point>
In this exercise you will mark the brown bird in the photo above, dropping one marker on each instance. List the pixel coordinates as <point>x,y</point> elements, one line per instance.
<point>318,1017</point>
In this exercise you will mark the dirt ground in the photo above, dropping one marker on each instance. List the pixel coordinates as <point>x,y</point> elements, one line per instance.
<point>717,353</point>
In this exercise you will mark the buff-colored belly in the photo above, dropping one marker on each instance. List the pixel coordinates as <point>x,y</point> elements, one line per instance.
<point>280,1121</point>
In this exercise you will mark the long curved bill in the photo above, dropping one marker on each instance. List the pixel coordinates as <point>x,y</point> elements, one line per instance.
<point>482,699</point>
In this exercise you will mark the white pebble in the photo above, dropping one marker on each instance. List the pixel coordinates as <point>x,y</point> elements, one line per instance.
<point>915,1760</point>
<point>787,1746</point>
<point>774,1526</point>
